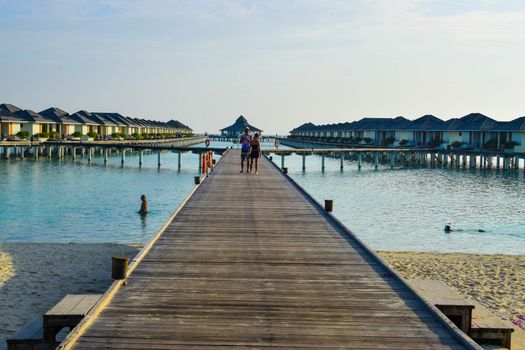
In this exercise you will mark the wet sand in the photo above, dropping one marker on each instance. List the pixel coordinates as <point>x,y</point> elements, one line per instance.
<point>495,281</point>
<point>34,277</point>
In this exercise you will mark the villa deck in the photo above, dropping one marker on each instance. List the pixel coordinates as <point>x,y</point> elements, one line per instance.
<point>254,262</point>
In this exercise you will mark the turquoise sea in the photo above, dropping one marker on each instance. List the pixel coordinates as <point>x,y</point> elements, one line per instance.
<point>400,209</point>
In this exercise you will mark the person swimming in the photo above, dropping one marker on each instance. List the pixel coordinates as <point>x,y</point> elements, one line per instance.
<point>448,229</point>
<point>144,206</point>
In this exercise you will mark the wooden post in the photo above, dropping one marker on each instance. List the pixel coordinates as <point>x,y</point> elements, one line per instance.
<point>89,152</point>
<point>328,205</point>
<point>392,161</point>
<point>119,267</point>
<point>106,151</point>
<point>376,160</point>
<point>516,162</point>
<point>359,160</point>
<point>197,180</point>
<point>141,157</point>
<point>74,149</point>
<point>22,152</point>
<point>159,159</point>
<point>304,162</point>
<point>7,150</point>
<point>342,161</point>
<point>179,160</point>
<point>123,156</point>
<point>36,152</point>
<point>322,162</point>
<point>282,161</point>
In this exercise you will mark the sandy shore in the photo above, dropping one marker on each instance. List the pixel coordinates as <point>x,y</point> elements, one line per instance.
<point>33,277</point>
<point>495,281</point>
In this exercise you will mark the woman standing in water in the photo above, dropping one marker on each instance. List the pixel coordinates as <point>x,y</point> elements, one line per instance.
<point>144,205</point>
<point>255,153</point>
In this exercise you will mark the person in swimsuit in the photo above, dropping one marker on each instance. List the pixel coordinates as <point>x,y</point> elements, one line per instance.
<point>144,206</point>
<point>245,142</point>
<point>255,153</point>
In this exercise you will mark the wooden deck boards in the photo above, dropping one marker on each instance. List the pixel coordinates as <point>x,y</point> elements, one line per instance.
<point>249,262</point>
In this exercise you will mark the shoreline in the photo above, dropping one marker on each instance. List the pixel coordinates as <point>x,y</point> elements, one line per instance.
<point>35,276</point>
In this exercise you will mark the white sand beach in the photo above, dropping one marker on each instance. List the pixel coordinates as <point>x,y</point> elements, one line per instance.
<point>34,276</point>
<point>495,281</point>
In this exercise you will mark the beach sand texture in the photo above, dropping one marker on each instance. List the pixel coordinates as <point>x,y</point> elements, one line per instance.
<point>34,277</point>
<point>495,281</point>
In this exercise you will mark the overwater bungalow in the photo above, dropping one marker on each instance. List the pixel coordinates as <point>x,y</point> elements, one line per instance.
<point>89,124</point>
<point>36,123</point>
<point>10,121</point>
<point>421,132</point>
<point>473,131</point>
<point>14,119</point>
<point>237,128</point>
<point>469,131</point>
<point>507,135</point>
<point>65,124</point>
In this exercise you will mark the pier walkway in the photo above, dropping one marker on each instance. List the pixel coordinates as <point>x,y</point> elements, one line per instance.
<point>254,262</point>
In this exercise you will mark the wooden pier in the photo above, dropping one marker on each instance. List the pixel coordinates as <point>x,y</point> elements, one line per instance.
<point>254,262</point>
<point>59,149</point>
<point>398,156</point>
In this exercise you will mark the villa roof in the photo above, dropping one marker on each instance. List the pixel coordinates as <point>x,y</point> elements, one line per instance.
<point>178,125</point>
<point>34,117</point>
<point>372,124</point>
<point>103,118</point>
<point>131,122</point>
<point>59,115</point>
<point>424,123</point>
<point>84,117</point>
<point>144,123</point>
<point>240,124</point>
<point>473,122</point>
<point>517,124</point>
<point>8,113</point>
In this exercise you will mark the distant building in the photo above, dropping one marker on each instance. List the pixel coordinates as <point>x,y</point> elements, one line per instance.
<point>474,131</point>
<point>237,128</point>
<point>14,119</point>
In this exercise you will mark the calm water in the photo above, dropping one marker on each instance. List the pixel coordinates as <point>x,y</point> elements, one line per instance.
<point>401,209</point>
<point>406,209</point>
<point>66,201</point>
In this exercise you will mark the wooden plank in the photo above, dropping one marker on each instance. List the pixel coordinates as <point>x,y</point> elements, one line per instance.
<point>250,262</point>
<point>74,304</point>
<point>438,293</point>
<point>64,306</point>
<point>85,304</point>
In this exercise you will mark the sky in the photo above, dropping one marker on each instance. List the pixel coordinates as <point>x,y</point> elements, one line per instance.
<point>279,63</point>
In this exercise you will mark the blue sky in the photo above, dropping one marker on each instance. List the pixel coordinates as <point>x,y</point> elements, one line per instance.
<point>279,63</point>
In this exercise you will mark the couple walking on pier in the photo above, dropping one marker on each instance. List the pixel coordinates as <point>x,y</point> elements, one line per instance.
<point>250,151</point>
